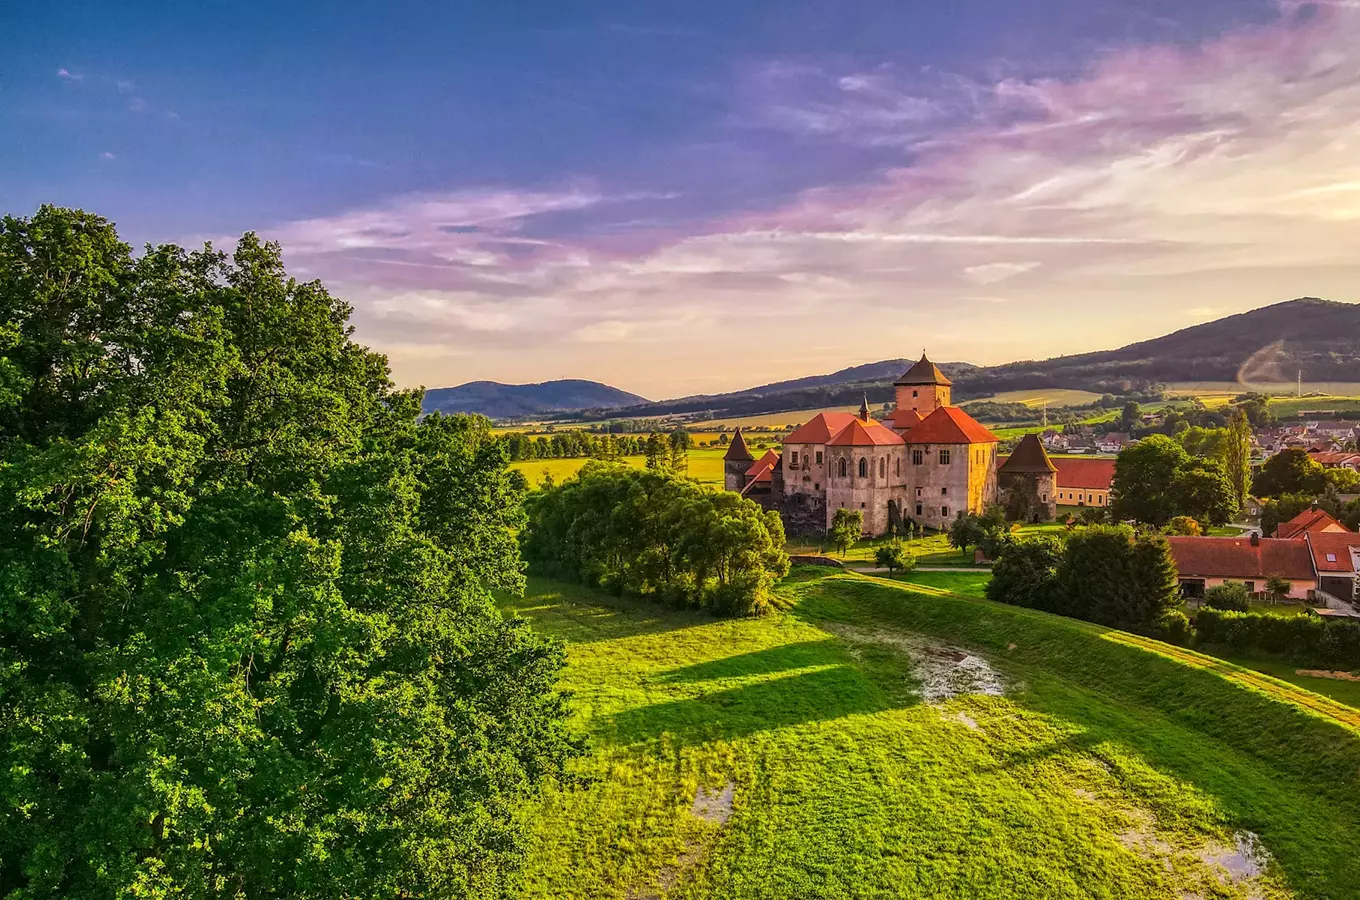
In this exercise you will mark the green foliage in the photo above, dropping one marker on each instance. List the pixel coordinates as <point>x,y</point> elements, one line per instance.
<point>894,557</point>
<point>1093,515</point>
<point>976,529</point>
<point>1174,627</point>
<point>1156,480</point>
<point>1278,587</point>
<point>1231,595</point>
<point>658,536</point>
<point>1183,526</point>
<point>247,646</point>
<point>1026,574</point>
<point>1290,471</point>
<point>847,527</point>
<point>1309,641</point>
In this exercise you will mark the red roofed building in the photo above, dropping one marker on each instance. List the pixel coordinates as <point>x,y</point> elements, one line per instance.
<point>1206,562</point>
<point>1084,482</point>
<point>1310,521</point>
<point>928,461</point>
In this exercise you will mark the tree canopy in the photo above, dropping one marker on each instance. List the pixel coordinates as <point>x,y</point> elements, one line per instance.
<point>1290,471</point>
<point>247,645</point>
<point>1156,480</point>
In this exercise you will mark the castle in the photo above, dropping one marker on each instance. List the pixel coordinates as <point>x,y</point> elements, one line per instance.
<point>928,461</point>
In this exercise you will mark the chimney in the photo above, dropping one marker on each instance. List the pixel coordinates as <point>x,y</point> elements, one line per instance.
<point>1256,538</point>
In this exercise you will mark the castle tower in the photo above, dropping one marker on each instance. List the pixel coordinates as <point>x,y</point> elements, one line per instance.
<point>922,388</point>
<point>1028,482</point>
<point>736,461</point>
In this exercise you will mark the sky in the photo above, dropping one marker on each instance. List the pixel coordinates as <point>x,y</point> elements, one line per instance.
<point>686,197</point>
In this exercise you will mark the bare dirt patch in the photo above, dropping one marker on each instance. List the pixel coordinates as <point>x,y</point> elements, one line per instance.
<point>1326,673</point>
<point>944,672</point>
<point>712,805</point>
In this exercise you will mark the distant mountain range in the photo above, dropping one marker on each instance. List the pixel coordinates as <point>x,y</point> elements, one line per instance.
<point>511,401</point>
<point>1270,344</point>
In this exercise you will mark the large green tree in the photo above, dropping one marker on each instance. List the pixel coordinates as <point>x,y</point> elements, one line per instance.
<point>1290,471</point>
<point>247,647</point>
<point>1156,480</point>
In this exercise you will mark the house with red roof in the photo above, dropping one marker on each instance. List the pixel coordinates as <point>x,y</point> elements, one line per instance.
<point>1310,521</point>
<point>928,461</point>
<point>1206,562</point>
<point>1084,482</point>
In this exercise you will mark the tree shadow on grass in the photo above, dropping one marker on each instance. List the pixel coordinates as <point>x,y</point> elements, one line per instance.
<point>783,658</point>
<point>780,702</point>
<point>581,615</point>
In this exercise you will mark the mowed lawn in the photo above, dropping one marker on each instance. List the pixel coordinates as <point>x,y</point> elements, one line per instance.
<point>842,748</point>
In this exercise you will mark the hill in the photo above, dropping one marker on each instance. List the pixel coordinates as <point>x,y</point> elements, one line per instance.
<point>509,401</point>
<point>1270,344</point>
<point>887,739</point>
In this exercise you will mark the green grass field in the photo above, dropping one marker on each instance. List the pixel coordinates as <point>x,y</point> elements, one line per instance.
<point>841,749</point>
<point>705,466</point>
<point>1055,397</point>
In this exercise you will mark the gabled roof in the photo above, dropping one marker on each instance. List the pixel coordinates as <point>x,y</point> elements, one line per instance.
<point>738,450</point>
<point>903,419</point>
<point>761,468</point>
<point>1085,474</point>
<point>1335,553</point>
<point>1334,457</point>
<point>923,372</point>
<point>820,428</point>
<point>1238,558</point>
<point>1311,521</point>
<point>861,433</point>
<point>1029,457</point>
<point>950,425</point>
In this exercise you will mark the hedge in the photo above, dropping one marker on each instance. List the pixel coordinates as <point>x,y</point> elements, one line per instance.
<point>1306,640</point>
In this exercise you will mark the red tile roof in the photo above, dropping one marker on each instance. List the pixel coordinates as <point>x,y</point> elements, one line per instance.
<point>1335,552</point>
<point>1216,557</point>
<point>1085,474</point>
<point>820,428</point>
<point>760,469</point>
<point>1335,457</point>
<point>1311,521</point>
<point>950,425</point>
<point>861,433</point>
<point>903,419</point>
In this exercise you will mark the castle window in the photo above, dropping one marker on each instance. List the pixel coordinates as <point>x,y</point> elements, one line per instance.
<point>863,467</point>
<point>944,512</point>
<point>816,487</point>
<point>916,393</point>
<point>1044,497</point>
<point>898,464</point>
<point>918,492</point>
<point>861,506</point>
<point>917,457</point>
<point>819,457</point>
<point>842,469</point>
<point>944,492</point>
<point>918,509</point>
<point>793,458</point>
<point>944,457</point>
<point>882,467</point>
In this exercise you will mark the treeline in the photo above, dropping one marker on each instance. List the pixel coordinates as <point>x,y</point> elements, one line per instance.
<point>1107,574</point>
<point>574,444</point>
<point>650,534</point>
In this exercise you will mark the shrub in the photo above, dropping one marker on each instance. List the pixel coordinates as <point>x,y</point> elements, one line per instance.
<point>1173,626</point>
<point>652,534</point>
<point>1304,640</point>
<point>1231,595</point>
<point>1026,573</point>
<point>1184,526</point>
<point>894,558</point>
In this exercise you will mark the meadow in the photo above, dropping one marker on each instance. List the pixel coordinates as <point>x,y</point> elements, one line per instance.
<point>885,739</point>
<point>705,466</point>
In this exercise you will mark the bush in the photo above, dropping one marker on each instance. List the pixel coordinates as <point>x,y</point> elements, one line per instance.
<point>1026,573</point>
<point>652,534</point>
<point>1174,627</point>
<point>1231,596</point>
<point>894,558</point>
<point>1183,526</point>
<point>1304,640</point>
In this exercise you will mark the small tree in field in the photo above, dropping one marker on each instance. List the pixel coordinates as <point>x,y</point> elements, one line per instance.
<point>1183,526</point>
<point>1278,587</point>
<point>894,558</point>
<point>966,531</point>
<point>847,526</point>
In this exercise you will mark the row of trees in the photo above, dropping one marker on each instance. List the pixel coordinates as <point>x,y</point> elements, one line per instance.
<point>1109,574</point>
<point>651,534</point>
<point>247,644</point>
<point>608,446</point>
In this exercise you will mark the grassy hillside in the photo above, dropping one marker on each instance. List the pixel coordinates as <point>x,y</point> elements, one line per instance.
<point>503,401</point>
<point>840,749</point>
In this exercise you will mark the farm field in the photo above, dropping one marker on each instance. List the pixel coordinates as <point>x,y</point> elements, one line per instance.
<point>769,420</point>
<point>1056,397</point>
<point>705,466</point>
<point>844,747</point>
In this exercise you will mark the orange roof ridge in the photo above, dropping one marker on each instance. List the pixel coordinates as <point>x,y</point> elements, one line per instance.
<point>950,425</point>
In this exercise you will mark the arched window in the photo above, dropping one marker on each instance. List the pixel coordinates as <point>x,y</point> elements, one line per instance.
<point>898,465</point>
<point>842,468</point>
<point>882,466</point>
<point>863,467</point>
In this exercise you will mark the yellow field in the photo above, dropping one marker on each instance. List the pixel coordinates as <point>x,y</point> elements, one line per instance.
<point>1055,397</point>
<point>705,466</point>
<point>1230,389</point>
<point>773,420</point>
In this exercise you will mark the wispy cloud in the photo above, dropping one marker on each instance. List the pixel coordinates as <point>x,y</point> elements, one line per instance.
<point>1163,180</point>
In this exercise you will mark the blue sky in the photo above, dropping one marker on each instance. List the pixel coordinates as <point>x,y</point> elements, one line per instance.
<point>699,196</point>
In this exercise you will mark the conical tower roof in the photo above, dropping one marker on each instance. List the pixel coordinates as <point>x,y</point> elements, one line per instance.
<point>738,450</point>
<point>1029,457</point>
<point>923,372</point>
<point>864,408</point>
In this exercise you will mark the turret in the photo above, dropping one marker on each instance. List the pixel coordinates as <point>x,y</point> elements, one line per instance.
<point>923,388</point>
<point>736,461</point>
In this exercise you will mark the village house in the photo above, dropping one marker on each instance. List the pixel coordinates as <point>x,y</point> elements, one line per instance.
<point>1207,562</point>
<point>1113,442</point>
<point>928,461</point>
<point>1337,459</point>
